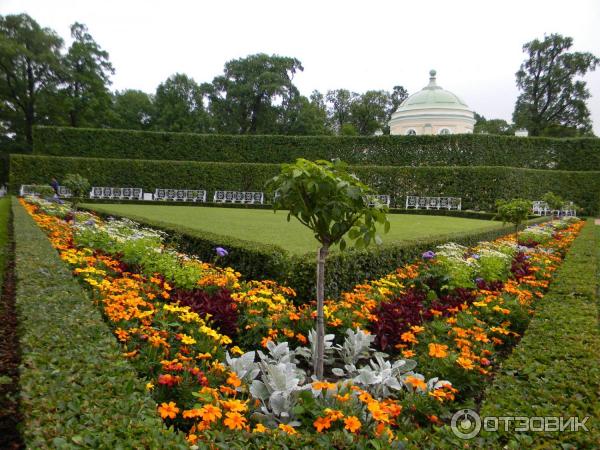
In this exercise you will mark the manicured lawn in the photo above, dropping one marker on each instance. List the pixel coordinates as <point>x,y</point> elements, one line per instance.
<point>267,227</point>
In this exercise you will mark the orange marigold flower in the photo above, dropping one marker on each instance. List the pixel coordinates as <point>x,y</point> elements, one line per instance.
<point>408,353</point>
<point>233,380</point>
<point>342,398</point>
<point>334,414</point>
<point>287,428</point>
<point>465,363</point>
<point>438,350</point>
<point>234,405</point>
<point>416,382</point>
<point>409,336</point>
<point>318,385</point>
<point>352,424</point>
<point>192,413</point>
<point>234,421</point>
<point>322,423</point>
<point>169,410</point>
<point>210,413</point>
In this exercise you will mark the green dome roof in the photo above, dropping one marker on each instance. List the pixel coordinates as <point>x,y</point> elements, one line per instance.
<point>432,96</point>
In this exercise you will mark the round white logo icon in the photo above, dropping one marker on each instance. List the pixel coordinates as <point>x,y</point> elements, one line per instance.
<point>465,423</point>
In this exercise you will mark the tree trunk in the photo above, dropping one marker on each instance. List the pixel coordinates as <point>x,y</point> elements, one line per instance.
<point>321,256</point>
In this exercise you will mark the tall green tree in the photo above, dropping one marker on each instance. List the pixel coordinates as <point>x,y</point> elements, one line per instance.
<point>179,106</point>
<point>552,95</point>
<point>340,107</point>
<point>369,112</point>
<point>398,95</point>
<point>132,110</point>
<point>30,65</point>
<point>304,117</point>
<point>333,204</point>
<point>253,92</point>
<point>492,126</point>
<point>87,72</point>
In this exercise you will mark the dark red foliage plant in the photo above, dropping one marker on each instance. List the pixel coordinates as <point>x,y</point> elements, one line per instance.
<point>221,307</point>
<point>396,316</point>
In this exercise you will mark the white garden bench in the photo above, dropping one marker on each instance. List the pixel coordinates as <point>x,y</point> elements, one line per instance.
<point>541,208</point>
<point>34,189</point>
<point>180,195</point>
<point>238,197</point>
<point>381,199</point>
<point>116,193</point>
<point>449,203</point>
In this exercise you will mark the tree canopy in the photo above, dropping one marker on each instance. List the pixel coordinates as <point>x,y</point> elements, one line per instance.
<point>553,95</point>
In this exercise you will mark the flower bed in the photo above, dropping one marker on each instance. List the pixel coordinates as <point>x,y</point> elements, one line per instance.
<point>183,324</point>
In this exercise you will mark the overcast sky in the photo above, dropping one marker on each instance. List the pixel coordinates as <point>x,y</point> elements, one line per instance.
<point>475,46</point>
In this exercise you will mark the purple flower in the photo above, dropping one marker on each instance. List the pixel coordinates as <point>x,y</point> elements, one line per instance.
<point>221,251</point>
<point>475,256</point>
<point>428,255</point>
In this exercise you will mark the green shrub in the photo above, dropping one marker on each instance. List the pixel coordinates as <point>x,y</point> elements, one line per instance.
<point>479,187</point>
<point>451,150</point>
<point>77,390</point>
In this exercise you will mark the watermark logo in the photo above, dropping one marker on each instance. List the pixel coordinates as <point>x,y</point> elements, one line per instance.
<point>466,424</point>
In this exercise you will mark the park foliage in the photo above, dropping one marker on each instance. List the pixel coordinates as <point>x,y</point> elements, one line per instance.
<point>448,316</point>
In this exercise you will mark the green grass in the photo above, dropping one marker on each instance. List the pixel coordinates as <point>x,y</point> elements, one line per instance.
<point>266,227</point>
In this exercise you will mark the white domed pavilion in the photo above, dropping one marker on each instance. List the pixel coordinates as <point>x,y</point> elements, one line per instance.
<point>432,110</point>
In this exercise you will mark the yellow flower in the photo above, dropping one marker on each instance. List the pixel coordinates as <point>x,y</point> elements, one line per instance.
<point>259,428</point>
<point>187,340</point>
<point>149,386</point>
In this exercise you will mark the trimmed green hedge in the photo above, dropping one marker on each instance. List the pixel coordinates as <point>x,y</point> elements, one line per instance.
<point>479,187</point>
<point>344,270</point>
<point>555,370</point>
<point>451,150</point>
<point>77,390</point>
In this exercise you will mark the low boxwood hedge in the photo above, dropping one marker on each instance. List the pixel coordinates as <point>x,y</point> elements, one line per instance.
<point>77,390</point>
<point>255,260</point>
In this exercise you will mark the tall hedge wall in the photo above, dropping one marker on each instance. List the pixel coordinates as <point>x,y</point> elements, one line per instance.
<point>452,150</point>
<point>479,187</point>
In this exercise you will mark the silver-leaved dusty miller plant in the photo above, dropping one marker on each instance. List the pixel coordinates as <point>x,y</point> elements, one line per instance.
<point>276,380</point>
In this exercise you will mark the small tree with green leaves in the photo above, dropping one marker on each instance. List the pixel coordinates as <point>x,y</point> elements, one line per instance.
<point>78,186</point>
<point>554,201</point>
<point>324,197</point>
<point>514,211</point>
